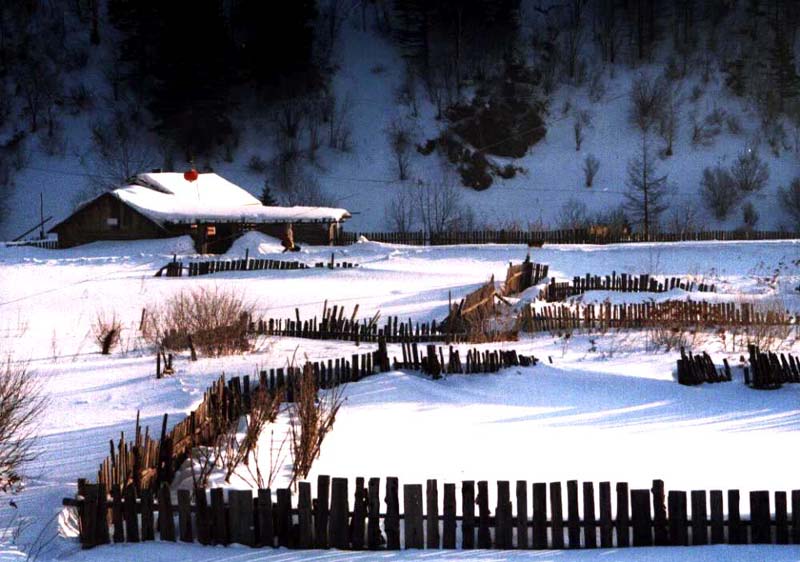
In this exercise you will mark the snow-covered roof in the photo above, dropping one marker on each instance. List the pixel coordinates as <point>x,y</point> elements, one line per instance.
<point>168,198</point>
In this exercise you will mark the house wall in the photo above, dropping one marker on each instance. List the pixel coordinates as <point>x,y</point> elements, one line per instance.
<point>92,223</point>
<point>315,234</point>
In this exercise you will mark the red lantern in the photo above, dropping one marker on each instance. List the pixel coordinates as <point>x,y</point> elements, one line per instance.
<point>191,175</point>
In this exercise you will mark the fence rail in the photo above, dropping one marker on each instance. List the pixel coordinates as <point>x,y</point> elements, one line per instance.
<point>568,236</point>
<point>177,268</point>
<point>535,517</point>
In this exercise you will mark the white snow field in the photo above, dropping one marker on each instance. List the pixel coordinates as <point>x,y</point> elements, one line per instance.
<point>606,408</point>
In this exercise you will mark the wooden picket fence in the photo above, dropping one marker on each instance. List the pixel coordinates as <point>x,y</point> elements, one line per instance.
<point>698,369</point>
<point>333,325</point>
<point>176,268</point>
<point>604,316</point>
<point>433,362</point>
<point>770,370</point>
<point>563,236</point>
<point>536,519</point>
<point>623,282</point>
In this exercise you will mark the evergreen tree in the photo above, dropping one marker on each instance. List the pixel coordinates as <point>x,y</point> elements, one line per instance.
<point>267,198</point>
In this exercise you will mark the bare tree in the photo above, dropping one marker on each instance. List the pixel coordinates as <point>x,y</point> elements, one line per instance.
<point>591,165</point>
<point>669,119</point>
<point>790,201</point>
<point>573,215</point>
<point>718,191</point>
<point>337,114</point>
<point>647,101</point>
<point>581,121</point>
<point>21,404</point>
<point>399,211</point>
<point>749,172</point>
<point>439,204</point>
<point>646,189</point>
<point>122,150</point>
<point>401,141</point>
<point>39,83</point>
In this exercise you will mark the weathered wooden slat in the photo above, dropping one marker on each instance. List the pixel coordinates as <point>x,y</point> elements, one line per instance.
<point>266,532</point>
<point>484,534</point>
<point>781,519</point>
<point>737,532</point>
<point>432,514</point>
<point>606,523</point>
<point>131,517</point>
<point>392,521</point>
<point>412,507</point>
<point>185,516</point>
<point>660,533</point>
<point>304,516</point>
<point>589,522</point>
<point>795,517</point>
<point>283,517</point>
<point>449,517</point>
<point>321,512</point>
<point>556,515</point>
<point>573,517</point>
<point>622,521</point>
<point>219,517</point>
<point>641,518</point>
<point>148,527</point>
<point>502,526</point>
<point>717,517</point>
<point>374,537</point>
<point>202,517</point>
<point>760,518</point>
<point>468,514</point>
<point>337,531</point>
<point>699,517</point>
<point>522,514</point>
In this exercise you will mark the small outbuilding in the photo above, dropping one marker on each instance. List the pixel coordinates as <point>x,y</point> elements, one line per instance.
<point>212,210</point>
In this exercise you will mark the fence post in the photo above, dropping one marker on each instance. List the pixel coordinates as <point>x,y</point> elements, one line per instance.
<point>374,538</point>
<point>468,515</point>
<point>556,515</point>
<point>449,524</point>
<point>699,515</point>
<point>432,514</point>
<point>642,520</point>
<point>266,532</point>
<point>338,514</point>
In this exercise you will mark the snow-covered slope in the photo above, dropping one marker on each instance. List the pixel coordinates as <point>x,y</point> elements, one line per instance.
<point>369,70</point>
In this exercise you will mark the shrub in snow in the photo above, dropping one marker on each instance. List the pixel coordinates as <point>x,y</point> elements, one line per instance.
<point>734,124</point>
<point>21,404</point>
<point>790,201</point>
<point>749,216</point>
<point>474,172</point>
<point>591,165</point>
<point>718,191</point>
<point>749,172</point>
<point>107,330</point>
<point>213,321</point>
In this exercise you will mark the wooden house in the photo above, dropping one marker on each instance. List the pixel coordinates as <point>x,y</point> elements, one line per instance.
<point>212,210</point>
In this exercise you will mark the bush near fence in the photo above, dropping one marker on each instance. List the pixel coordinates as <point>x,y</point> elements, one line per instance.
<point>536,519</point>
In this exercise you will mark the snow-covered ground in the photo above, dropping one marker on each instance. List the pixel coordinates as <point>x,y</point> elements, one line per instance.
<point>604,409</point>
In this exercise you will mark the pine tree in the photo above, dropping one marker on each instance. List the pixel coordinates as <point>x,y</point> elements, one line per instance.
<point>267,198</point>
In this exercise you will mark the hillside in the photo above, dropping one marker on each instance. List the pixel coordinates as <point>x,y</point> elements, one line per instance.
<point>368,71</point>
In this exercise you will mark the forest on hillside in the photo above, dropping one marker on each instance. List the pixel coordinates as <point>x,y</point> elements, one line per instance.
<point>165,84</point>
